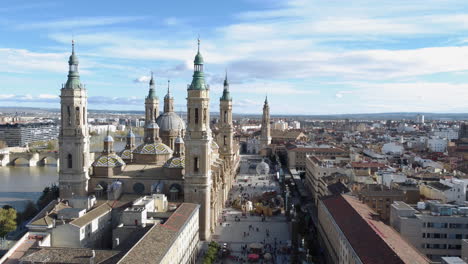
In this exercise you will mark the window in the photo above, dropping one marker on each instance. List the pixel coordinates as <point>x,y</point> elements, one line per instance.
<point>77,113</point>
<point>225,137</point>
<point>69,161</point>
<point>225,117</point>
<point>69,115</point>
<point>196,164</point>
<point>84,115</point>
<point>196,115</point>
<point>204,115</point>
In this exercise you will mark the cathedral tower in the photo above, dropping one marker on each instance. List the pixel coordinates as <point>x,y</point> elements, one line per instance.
<point>198,147</point>
<point>151,104</point>
<point>74,135</point>
<point>265,137</point>
<point>168,100</point>
<point>226,131</point>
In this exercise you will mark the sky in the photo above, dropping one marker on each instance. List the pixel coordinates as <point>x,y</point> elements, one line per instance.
<point>309,56</point>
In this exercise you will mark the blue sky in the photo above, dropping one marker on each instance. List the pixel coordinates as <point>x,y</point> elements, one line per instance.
<point>310,56</point>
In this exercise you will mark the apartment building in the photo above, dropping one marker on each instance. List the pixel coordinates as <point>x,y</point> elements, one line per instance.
<point>318,168</point>
<point>435,228</point>
<point>19,135</point>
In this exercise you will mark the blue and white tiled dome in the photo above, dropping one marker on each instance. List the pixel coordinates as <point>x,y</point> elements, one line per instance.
<point>153,149</point>
<point>175,162</point>
<point>126,154</point>
<point>108,160</point>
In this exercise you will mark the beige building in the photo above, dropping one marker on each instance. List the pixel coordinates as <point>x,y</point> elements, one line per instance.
<point>297,155</point>
<point>349,234</point>
<point>380,198</point>
<point>175,241</point>
<point>318,168</point>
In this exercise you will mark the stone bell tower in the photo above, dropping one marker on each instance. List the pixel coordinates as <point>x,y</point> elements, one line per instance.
<point>226,131</point>
<point>265,137</point>
<point>74,135</point>
<point>151,105</point>
<point>198,147</point>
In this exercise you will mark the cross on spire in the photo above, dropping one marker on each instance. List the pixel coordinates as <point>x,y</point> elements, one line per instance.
<point>168,83</point>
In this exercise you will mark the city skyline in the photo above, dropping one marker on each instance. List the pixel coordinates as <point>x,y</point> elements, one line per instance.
<point>309,57</point>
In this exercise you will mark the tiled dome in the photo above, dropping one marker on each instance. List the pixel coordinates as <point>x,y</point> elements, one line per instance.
<point>108,160</point>
<point>175,162</point>
<point>153,149</point>
<point>126,154</point>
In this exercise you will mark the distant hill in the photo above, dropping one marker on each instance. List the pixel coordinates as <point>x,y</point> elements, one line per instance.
<point>362,116</point>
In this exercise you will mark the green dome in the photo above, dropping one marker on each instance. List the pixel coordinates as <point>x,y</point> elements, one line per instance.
<point>198,58</point>
<point>198,81</point>
<point>73,60</point>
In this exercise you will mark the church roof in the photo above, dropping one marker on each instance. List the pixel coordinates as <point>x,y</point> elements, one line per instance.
<point>170,121</point>
<point>175,162</point>
<point>126,154</point>
<point>153,149</point>
<point>108,160</point>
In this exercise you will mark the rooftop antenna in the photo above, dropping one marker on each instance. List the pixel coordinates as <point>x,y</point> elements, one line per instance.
<point>198,42</point>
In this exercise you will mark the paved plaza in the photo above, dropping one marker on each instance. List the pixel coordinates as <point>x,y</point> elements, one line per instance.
<point>273,233</point>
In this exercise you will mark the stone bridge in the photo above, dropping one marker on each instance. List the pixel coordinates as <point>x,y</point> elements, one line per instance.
<point>9,158</point>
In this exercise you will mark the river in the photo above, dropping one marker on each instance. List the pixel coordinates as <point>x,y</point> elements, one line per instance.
<point>20,184</point>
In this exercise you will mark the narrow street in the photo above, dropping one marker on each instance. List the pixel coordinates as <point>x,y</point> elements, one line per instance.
<point>273,232</point>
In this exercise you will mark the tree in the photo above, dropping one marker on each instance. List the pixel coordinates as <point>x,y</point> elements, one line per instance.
<point>7,221</point>
<point>30,210</point>
<point>48,194</point>
<point>6,206</point>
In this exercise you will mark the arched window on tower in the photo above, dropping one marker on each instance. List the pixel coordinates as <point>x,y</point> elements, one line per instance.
<point>225,137</point>
<point>78,118</point>
<point>225,117</point>
<point>196,115</point>
<point>204,115</point>
<point>188,116</point>
<point>68,115</point>
<point>69,161</point>
<point>196,164</point>
<point>155,114</point>
<point>84,115</point>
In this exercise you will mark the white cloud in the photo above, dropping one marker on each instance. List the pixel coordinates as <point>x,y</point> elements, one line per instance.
<point>48,96</point>
<point>143,79</point>
<point>22,60</point>
<point>78,22</point>
<point>172,21</point>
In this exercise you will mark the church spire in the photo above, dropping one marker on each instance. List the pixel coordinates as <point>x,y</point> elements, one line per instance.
<point>73,81</point>
<point>168,100</point>
<point>152,89</point>
<point>198,81</point>
<point>168,95</point>
<point>226,94</point>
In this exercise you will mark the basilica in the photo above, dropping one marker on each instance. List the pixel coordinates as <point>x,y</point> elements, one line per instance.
<point>186,161</point>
